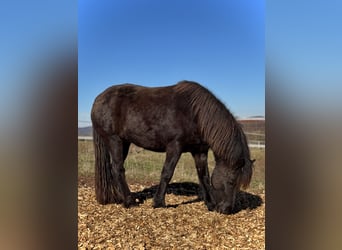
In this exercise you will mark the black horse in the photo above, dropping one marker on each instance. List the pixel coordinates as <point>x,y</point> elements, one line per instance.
<point>185,117</point>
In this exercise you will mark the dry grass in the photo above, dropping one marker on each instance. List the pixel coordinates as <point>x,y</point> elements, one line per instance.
<point>143,166</point>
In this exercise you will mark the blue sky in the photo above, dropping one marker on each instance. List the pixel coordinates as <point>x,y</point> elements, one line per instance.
<point>219,44</point>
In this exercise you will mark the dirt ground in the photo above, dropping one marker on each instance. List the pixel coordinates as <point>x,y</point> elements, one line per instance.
<point>184,224</point>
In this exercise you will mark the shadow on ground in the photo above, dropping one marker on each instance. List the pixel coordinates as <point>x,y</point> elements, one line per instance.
<point>243,201</point>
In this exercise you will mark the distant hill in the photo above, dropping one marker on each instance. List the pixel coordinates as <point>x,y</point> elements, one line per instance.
<point>86,131</point>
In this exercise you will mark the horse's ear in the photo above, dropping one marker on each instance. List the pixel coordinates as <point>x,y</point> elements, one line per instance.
<point>252,161</point>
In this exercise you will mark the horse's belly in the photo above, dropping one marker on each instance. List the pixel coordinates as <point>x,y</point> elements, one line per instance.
<point>147,142</point>
<point>158,141</point>
<point>156,129</point>
<point>148,139</point>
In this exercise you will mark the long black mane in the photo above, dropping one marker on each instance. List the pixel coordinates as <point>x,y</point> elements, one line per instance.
<point>218,126</point>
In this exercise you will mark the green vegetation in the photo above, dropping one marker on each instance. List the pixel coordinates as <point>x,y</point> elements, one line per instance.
<point>143,166</point>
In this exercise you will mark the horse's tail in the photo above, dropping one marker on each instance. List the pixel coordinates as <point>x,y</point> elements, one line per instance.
<point>103,174</point>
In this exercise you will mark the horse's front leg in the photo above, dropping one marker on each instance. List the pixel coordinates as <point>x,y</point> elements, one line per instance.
<point>201,162</point>
<point>119,151</point>
<point>173,153</point>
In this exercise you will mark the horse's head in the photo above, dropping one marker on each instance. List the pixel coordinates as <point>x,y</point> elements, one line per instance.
<point>226,180</point>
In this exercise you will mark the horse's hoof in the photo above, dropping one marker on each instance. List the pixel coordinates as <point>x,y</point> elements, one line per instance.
<point>158,204</point>
<point>130,202</point>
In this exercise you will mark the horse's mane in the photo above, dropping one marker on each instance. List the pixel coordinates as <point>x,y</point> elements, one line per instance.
<point>217,125</point>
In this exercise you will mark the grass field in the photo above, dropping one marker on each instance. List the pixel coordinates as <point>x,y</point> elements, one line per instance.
<point>143,166</point>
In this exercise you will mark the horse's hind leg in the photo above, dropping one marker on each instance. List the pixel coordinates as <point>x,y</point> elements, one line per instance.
<point>119,151</point>
<point>173,152</point>
<point>201,161</point>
